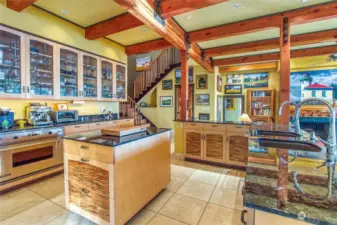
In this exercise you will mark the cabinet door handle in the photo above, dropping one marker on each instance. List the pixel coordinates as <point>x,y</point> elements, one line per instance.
<point>85,147</point>
<point>192,124</point>
<point>85,191</point>
<point>27,89</point>
<point>84,160</point>
<point>77,126</point>
<point>98,124</point>
<point>214,125</point>
<point>23,89</point>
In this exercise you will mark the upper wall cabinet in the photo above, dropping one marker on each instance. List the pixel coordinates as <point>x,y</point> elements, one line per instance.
<point>107,80</point>
<point>12,64</point>
<point>69,79</point>
<point>121,81</point>
<point>90,77</point>
<point>40,68</point>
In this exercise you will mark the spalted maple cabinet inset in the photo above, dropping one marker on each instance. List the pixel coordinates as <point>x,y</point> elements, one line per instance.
<point>215,146</point>
<point>237,149</point>
<point>194,143</point>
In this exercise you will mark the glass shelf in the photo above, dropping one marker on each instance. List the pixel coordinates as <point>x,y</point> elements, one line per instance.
<point>10,61</point>
<point>68,73</point>
<point>41,68</point>
<point>89,76</point>
<point>107,80</point>
<point>120,85</point>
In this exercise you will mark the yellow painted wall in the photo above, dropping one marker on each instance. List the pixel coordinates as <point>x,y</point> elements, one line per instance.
<point>38,22</point>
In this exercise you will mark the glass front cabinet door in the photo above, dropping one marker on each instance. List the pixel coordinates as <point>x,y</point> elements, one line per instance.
<point>121,82</point>
<point>40,67</point>
<point>12,64</point>
<point>107,80</point>
<point>69,80</point>
<point>89,77</point>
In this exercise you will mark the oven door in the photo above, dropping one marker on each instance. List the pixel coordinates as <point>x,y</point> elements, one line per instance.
<point>22,159</point>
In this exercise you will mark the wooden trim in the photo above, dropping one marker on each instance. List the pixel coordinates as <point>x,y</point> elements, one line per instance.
<point>276,56</point>
<point>259,66</point>
<point>19,5</point>
<point>111,26</point>
<point>148,46</point>
<point>296,40</point>
<point>184,86</point>
<point>302,15</point>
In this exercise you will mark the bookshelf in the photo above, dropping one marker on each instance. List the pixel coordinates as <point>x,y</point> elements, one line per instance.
<point>261,105</point>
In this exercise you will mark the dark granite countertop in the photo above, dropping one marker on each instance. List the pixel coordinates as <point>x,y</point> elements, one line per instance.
<point>212,121</point>
<point>96,137</point>
<point>30,127</point>
<point>269,185</point>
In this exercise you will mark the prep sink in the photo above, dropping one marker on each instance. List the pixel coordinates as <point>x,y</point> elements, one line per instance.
<point>289,144</point>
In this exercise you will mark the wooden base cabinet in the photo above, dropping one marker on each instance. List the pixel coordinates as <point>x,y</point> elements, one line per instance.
<point>193,143</point>
<point>215,146</point>
<point>237,148</point>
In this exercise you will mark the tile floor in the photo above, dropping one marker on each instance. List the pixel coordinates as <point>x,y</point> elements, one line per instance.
<point>198,194</point>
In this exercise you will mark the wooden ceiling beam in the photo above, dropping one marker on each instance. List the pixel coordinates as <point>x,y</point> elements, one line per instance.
<point>19,5</point>
<point>170,8</point>
<point>148,46</point>
<point>296,40</point>
<point>111,26</point>
<point>258,66</point>
<point>169,30</point>
<point>302,15</point>
<point>275,56</point>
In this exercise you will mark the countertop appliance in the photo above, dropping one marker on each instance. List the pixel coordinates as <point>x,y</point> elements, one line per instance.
<point>39,115</point>
<point>9,117</point>
<point>23,153</point>
<point>64,116</point>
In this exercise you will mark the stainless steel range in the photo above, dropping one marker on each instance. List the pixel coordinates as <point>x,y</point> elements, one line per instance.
<point>27,152</point>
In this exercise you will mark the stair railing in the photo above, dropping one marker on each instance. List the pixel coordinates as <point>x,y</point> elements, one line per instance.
<point>164,61</point>
<point>131,109</point>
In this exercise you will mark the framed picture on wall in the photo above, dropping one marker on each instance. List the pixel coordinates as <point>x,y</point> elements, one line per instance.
<point>204,116</point>
<point>256,80</point>
<point>167,84</point>
<point>219,83</point>
<point>230,103</point>
<point>190,75</point>
<point>234,79</point>
<point>143,63</point>
<point>233,89</point>
<point>166,101</point>
<point>202,81</point>
<point>202,99</point>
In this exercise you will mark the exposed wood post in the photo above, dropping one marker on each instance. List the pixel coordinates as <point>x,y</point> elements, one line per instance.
<point>184,85</point>
<point>285,68</point>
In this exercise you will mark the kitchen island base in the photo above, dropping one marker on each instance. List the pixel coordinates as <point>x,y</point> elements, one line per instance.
<point>110,185</point>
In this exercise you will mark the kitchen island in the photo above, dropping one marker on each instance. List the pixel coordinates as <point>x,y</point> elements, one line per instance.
<point>270,187</point>
<point>109,179</point>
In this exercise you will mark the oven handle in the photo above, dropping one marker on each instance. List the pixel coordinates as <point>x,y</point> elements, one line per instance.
<point>28,144</point>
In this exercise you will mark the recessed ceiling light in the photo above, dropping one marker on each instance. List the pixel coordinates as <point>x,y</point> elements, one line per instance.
<point>64,11</point>
<point>237,5</point>
<point>304,1</point>
<point>189,17</point>
<point>144,29</point>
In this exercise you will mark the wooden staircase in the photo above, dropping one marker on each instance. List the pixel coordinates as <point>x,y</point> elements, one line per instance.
<point>158,69</point>
<point>131,109</point>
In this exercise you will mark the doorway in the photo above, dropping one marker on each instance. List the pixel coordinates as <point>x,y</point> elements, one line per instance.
<point>190,101</point>
<point>233,107</point>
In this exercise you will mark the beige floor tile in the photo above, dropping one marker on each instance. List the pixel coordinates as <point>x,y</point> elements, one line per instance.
<point>184,209</point>
<point>205,177</point>
<point>159,201</point>
<point>14,192</point>
<point>163,220</point>
<point>46,180</point>
<point>182,172</point>
<point>264,218</point>
<point>39,214</point>
<point>69,218</point>
<point>196,190</point>
<point>175,184</point>
<point>216,215</point>
<point>230,182</point>
<point>224,197</point>
<point>59,200</point>
<point>239,197</point>
<point>50,189</point>
<point>236,220</point>
<point>142,218</point>
<point>17,203</point>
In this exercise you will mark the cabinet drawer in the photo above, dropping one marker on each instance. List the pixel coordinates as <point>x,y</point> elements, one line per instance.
<point>125,123</point>
<point>238,128</point>
<point>89,151</point>
<point>112,123</point>
<point>76,129</point>
<point>98,125</point>
<point>194,126</point>
<point>215,127</point>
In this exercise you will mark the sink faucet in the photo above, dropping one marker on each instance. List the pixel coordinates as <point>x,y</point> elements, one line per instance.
<point>281,108</point>
<point>330,143</point>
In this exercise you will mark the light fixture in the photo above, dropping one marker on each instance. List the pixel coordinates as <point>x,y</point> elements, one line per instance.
<point>304,1</point>
<point>245,118</point>
<point>64,11</point>
<point>144,29</point>
<point>237,5</point>
<point>189,17</point>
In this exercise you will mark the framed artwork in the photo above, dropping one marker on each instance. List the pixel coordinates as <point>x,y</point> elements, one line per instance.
<point>219,83</point>
<point>233,89</point>
<point>166,101</point>
<point>202,99</point>
<point>256,80</point>
<point>234,79</point>
<point>219,107</point>
<point>230,103</point>
<point>143,63</point>
<point>167,84</point>
<point>190,75</point>
<point>202,81</point>
<point>204,116</point>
